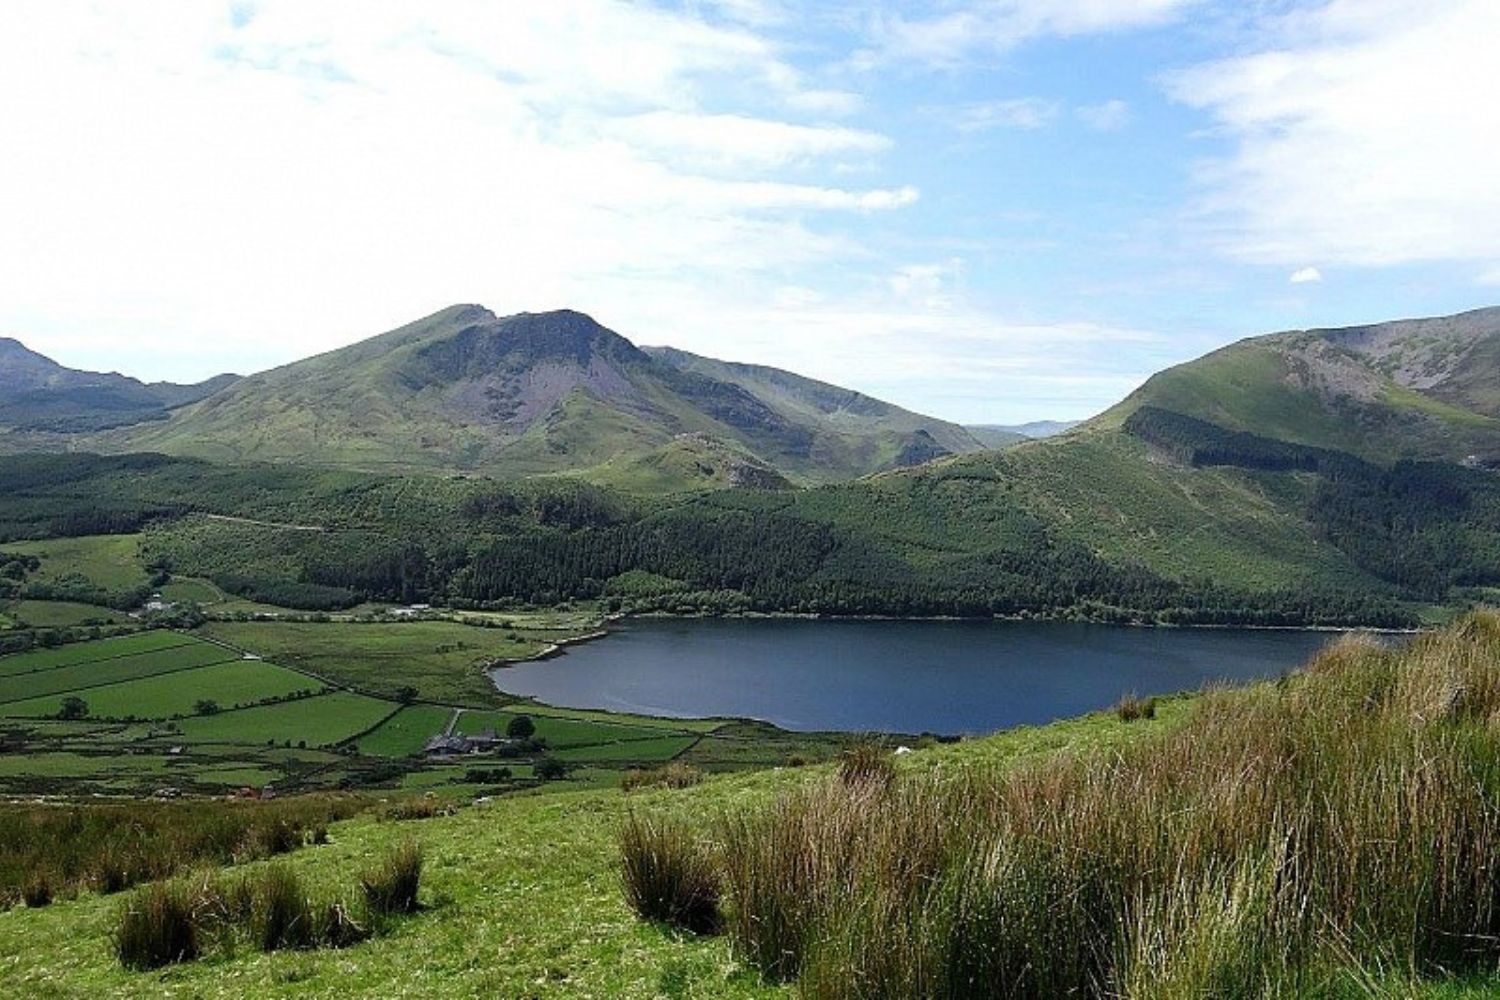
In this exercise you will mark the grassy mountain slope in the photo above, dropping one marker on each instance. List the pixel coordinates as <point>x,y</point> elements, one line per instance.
<point>536,394</point>
<point>1426,388</point>
<point>38,396</point>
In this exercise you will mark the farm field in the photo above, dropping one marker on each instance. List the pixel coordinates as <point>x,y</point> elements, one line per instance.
<point>90,652</point>
<point>83,676</point>
<point>558,732</point>
<point>323,720</point>
<point>230,685</point>
<point>652,750</point>
<point>61,614</point>
<point>407,732</point>
<point>443,660</point>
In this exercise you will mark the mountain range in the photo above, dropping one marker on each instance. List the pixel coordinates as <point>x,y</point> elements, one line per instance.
<point>464,390</point>
<point>38,394</point>
<point>1336,475</point>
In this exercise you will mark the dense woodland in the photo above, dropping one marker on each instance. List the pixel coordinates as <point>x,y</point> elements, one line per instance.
<point>836,550</point>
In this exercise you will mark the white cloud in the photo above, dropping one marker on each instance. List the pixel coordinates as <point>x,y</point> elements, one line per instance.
<point>292,176</point>
<point>1368,135</point>
<point>1305,275</point>
<point>1015,112</point>
<point>966,29</point>
<point>738,142</point>
<point>1109,116</point>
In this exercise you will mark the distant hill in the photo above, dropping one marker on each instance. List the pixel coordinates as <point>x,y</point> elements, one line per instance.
<point>39,395</point>
<point>467,391</point>
<point>1004,435</point>
<point>1423,388</point>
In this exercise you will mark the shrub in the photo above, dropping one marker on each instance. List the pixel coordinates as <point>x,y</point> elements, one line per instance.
<point>1131,708</point>
<point>391,886</point>
<point>668,875</point>
<point>156,927</point>
<point>37,892</point>
<point>550,769</point>
<point>283,916</point>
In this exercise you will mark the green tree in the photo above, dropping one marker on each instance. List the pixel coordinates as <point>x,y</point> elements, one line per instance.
<point>206,706</point>
<point>73,707</point>
<point>520,728</point>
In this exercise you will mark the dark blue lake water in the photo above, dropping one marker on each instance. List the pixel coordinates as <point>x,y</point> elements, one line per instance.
<point>897,676</point>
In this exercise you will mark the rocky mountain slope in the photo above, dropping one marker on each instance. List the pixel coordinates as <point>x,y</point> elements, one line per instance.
<point>467,391</point>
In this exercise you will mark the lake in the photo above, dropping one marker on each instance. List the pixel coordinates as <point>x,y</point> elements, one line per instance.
<point>898,676</point>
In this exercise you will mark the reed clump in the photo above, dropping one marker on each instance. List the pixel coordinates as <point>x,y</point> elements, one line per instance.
<point>269,909</point>
<point>1281,833</point>
<point>672,775</point>
<point>669,875</point>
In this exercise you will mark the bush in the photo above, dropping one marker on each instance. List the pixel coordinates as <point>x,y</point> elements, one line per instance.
<point>391,886</point>
<point>156,927</point>
<point>668,875</point>
<point>550,769</point>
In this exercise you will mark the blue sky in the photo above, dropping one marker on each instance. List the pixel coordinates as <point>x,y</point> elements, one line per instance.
<point>991,211</point>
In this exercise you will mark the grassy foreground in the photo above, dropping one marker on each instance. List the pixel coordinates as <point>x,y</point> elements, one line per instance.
<point>521,895</point>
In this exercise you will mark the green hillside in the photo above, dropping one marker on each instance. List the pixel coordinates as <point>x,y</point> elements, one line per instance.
<point>539,394</point>
<point>1427,389</point>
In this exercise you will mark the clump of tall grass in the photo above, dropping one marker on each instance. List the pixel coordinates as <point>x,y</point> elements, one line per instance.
<point>157,927</point>
<point>282,912</point>
<point>1133,708</point>
<point>1351,810</point>
<point>672,775</point>
<point>669,875</point>
<point>391,886</point>
<point>866,762</point>
<point>111,847</point>
<point>37,892</point>
<point>270,909</point>
<point>418,807</point>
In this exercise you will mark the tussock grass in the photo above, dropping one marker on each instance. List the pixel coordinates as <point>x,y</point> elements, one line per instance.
<point>673,775</point>
<point>391,886</point>
<point>282,914</point>
<point>157,927</point>
<point>866,762</point>
<point>110,848</point>
<point>1347,815</point>
<point>669,876</point>
<point>1132,708</point>
<point>37,892</point>
<point>417,807</point>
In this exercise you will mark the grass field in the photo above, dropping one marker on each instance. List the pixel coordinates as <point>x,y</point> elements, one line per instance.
<point>61,614</point>
<point>558,732</point>
<point>90,652</point>
<point>653,750</point>
<point>407,732</point>
<point>82,676</point>
<point>321,721</point>
<point>110,562</point>
<point>231,684</point>
<point>443,660</point>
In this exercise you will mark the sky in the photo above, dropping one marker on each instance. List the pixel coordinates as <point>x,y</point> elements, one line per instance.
<point>987,210</point>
